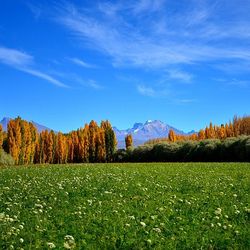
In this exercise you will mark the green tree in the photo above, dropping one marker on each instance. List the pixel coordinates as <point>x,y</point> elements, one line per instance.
<point>110,140</point>
<point>1,136</point>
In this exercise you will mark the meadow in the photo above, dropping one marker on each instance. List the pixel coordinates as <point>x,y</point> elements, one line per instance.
<point>125,206</point>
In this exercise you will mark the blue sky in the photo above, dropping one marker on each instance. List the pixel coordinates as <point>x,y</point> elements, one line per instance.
<point>63,63</point>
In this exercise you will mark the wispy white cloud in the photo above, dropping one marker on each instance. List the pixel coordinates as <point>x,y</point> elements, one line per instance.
<point>239,83</point>
<point>151,92</point>
<point>109,9</point>
<point>234,67</point>
<point>89,83</point>
<point>234,82</point>
<point>14,57</point>
<point>179,75</point>
<point>142,6</point>
<point>25,63</point>
<point>184,101</point>
<point>147,91</point>
<point>81,63</point>
<point>179,42</point>
<point>44,76</point>
<point>35,9</point>
<point>93,84</point>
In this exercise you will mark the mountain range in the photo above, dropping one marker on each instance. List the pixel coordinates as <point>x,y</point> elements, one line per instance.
<point>39,127</point>
<point>141,132</point>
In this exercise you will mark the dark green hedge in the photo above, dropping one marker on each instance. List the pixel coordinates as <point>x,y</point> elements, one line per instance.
<point>212,150</point>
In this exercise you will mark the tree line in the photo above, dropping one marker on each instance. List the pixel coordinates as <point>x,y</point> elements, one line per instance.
<point>231,149</point>
<point>92,143</point>
<point>239,126</point>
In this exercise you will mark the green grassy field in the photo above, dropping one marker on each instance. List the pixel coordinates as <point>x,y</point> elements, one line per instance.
<point>126,206</point>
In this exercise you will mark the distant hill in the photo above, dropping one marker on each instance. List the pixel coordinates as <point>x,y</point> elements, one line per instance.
<point>4,122</point>
<point>143,132</point>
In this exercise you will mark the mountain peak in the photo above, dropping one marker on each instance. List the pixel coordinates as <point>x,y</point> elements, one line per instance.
<point>4,122</point>
<point>137,125</point>
<point>153,122</point>
<point>142,132</point>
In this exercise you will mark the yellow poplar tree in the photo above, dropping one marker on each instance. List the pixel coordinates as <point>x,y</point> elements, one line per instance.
<point>171,135</point>
<point>85,138</point>
<point>92,140</point>
<point>61,149</point>
<point>128,141</point>
<point>201,135</point>
<point>14,139</point>
<point>70,149</point>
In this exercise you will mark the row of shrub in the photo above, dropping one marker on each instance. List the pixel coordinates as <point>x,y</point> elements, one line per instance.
<point>234,149</point>
<point>211,150</point>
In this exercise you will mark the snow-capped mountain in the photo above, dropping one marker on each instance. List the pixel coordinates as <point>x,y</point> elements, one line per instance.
<point>39,127</point>
<point>144,132</point>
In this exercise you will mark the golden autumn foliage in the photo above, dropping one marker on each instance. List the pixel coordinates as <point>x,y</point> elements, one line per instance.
<point>14,139</point>
<point>92,143</point>
<point>129,141</point>
<point>61,149</point>
<point>21,140</point>
<point>85,144</point>
<point>171,136</point>
<point>88,144</point>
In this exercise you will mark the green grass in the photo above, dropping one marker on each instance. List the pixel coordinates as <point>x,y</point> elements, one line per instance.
<point>126,206</point>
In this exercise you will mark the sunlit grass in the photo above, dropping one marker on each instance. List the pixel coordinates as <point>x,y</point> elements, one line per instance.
<point>125,206</point>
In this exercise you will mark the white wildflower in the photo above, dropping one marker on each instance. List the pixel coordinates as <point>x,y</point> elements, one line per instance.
<point>107,192</point>
<point>237,212</point>
<point>247,210</point>
<point>143,224</point>
<point>218,211</point>
<point>51,245</point>
<point>156,229</point>
<point>69,242</point>
<point>132,217</point>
